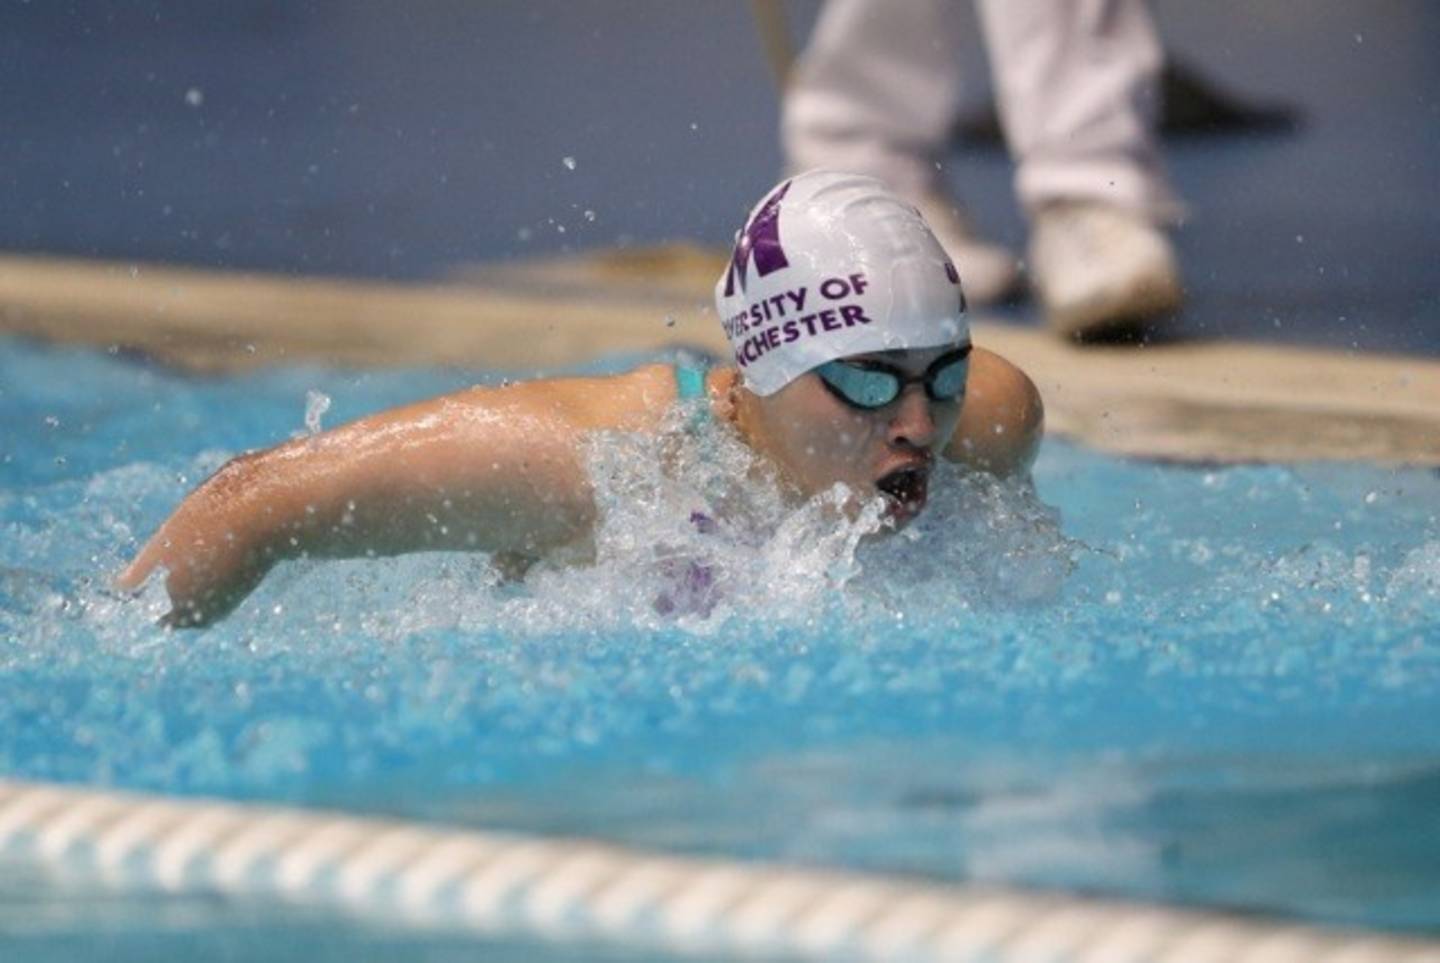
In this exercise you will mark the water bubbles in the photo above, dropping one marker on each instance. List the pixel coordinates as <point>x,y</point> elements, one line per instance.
<point>569,162</point>
<point>1202,602</point>
<point>688,534</point>
<point>590,215</point>
<point>194,97</point>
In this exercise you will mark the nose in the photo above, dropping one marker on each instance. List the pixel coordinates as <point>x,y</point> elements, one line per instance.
<point>913,423</point>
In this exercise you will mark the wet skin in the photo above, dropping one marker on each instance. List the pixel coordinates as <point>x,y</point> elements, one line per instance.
<point>502,469</point>
<point>817,440</point>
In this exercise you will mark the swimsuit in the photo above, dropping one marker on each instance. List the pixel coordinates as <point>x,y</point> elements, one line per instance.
<point>690,390</point>
<point>690,380</point>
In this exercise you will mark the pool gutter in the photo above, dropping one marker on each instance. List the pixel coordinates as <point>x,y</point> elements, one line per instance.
<point>1196,402</point>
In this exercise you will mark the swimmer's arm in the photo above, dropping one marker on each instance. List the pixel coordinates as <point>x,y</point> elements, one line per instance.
<point>1002,420</point>
<point>489,469</point>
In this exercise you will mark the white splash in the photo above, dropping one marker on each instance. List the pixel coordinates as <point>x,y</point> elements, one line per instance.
<point>316,404</point>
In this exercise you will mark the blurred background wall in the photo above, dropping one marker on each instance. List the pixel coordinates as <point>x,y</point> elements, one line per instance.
<point>405,141</point>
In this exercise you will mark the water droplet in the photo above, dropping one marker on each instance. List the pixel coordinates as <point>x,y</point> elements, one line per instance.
<point>1372,497</point>
<point>669,320</point>
<point>194,96</point>
<point>569,163</point>
<point>589,215</point>
<point>316,404</point>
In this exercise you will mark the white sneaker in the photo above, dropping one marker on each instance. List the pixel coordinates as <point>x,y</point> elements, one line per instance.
<point>988,272</point>
<point>1102,272</point>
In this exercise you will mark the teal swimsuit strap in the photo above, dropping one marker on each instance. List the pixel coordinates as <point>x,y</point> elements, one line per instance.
<point>690,387</point>
<point>691,381</point>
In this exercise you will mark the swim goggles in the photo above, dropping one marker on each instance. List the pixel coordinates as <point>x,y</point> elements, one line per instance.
<point>873,384</point>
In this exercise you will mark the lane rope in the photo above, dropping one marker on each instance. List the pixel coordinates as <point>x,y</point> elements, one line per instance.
<point>494,883</point>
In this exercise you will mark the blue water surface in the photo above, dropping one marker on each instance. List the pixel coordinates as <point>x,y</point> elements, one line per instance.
<point>1217,685</point>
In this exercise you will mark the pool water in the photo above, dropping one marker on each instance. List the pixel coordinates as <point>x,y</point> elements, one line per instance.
<point>1217,685</point>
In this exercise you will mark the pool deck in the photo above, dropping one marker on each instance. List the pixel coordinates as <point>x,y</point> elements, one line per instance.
<point>1191,402</point>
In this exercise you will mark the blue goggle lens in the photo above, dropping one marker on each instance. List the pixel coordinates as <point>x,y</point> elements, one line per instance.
<point>948,383</point>
<point>871,385</point>
<point>861,387</point>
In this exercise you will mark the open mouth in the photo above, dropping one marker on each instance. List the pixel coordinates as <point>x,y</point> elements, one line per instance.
<point>906,488</point>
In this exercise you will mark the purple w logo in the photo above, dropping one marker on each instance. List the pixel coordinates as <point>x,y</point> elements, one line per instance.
<point>761,237</point>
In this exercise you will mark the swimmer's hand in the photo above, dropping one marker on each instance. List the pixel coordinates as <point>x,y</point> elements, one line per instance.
<point>213,553</point>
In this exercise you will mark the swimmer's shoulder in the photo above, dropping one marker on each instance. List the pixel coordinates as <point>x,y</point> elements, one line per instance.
<point>638,399</point>
<point>1002,419</point>
<point>1004,380</point>
<point>634,400</point>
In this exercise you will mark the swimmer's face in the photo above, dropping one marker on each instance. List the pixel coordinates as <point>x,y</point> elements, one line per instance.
<point>818,440</point>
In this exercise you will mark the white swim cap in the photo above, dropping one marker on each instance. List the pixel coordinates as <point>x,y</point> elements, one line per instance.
<point>831,265</point>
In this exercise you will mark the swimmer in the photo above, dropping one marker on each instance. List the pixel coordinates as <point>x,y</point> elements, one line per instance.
<point>853,364</point>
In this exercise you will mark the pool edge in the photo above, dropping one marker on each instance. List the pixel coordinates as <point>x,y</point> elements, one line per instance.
<point>1198,402</point>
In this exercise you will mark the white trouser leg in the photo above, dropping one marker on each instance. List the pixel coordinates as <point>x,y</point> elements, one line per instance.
<point>875,91</point>
<point>1077,83</point>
